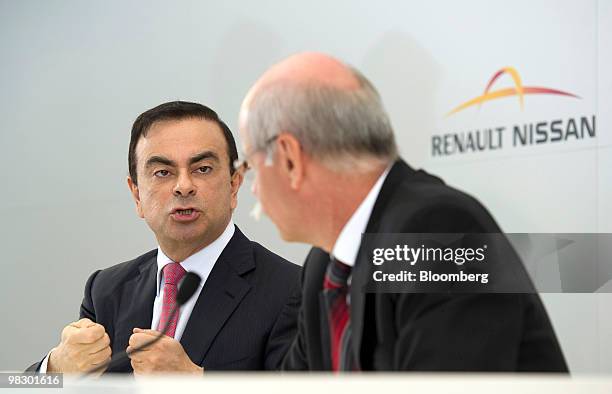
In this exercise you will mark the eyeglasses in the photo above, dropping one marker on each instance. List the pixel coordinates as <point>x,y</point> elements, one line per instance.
<point>243,165</point>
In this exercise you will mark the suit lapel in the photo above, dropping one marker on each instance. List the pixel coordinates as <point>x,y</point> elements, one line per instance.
<point>359,278</point>
<point>135,308</point>
<point>316,266</point>
<point>399,172</point>
<point>222,293</point>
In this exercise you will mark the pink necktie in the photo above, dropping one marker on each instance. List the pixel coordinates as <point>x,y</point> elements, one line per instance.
<point>173,273</point>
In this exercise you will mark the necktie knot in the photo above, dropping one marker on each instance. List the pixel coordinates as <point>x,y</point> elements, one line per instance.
<point>173,273</point>
<point>337,275</point>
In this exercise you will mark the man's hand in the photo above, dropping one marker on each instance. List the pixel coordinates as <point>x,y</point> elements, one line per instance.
<point>84,345</point>
<point>166,355</point>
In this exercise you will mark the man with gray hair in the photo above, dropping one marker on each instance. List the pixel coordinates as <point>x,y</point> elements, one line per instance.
<point>327,171</point>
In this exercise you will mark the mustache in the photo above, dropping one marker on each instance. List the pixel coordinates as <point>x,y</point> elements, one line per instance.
<point>185,204</point>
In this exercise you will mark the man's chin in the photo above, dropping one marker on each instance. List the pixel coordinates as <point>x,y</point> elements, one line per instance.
<point>187,237</point>
<point>290,236</point>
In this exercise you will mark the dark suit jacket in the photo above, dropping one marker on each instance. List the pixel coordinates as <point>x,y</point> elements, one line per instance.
<point>244,318</point>
<point>426,332</point>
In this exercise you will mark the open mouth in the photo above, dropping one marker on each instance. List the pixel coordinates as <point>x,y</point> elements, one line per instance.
<point>185,215</point>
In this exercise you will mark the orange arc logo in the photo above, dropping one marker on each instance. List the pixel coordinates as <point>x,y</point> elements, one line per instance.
<point>518,90</point>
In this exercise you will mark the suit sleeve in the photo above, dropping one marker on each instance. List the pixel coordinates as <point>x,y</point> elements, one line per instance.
<point>283,331</point>
<point>35,368</point>
<point>296,358</point>
<point>87,306</point>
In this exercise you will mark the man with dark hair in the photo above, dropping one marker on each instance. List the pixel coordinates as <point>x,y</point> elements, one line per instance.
<point>177,110</point>
<point>242,316</point>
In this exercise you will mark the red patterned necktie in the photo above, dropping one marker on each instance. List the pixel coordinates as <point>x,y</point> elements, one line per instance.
<point>173,273</point>
<point>335,290</point>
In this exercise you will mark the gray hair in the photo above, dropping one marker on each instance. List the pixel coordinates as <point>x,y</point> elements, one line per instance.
<point>344,129</point>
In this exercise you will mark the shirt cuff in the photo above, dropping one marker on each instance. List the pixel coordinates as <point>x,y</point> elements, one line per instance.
<point>45,362</point>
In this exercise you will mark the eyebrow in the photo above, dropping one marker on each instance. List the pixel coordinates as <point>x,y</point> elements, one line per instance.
<point>159,160</point>
<point>194,159</point>
<point>204,155</point>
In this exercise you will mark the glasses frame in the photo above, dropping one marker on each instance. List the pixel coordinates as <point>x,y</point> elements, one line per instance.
<point>243,165</point>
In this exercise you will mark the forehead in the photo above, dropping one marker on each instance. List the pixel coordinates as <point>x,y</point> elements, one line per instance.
<point>181,139</point>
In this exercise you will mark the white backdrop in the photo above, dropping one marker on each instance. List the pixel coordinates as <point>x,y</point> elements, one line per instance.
<point>74,75</point>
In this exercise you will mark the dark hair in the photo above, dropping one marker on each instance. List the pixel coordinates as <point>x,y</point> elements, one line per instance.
<point>177,110</point>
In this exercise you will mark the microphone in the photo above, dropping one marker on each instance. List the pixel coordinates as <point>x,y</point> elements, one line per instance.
<point>186,288</point>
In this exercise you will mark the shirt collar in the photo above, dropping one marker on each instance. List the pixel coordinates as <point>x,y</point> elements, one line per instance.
<point>201,262</point>
<point>347,245</point>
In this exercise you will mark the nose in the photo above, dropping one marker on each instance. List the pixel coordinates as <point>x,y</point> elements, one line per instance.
<point>184,185</point>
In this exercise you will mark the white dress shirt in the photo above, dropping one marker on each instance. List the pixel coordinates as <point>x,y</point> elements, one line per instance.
<point>200,263</point>
<point>347,245</point>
